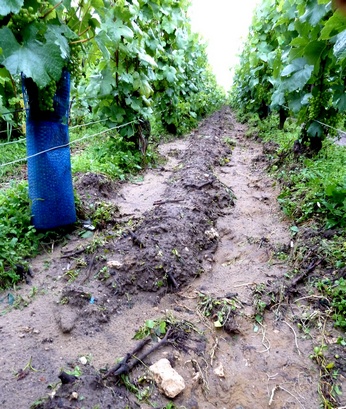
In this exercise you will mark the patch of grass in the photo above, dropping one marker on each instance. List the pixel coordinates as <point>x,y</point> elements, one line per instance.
<point>18,238</point>
<point>336,290</point>
<point>104,213</point>
<point>312,187</point>
<point>11,153</point>
<point>316,188</point>
<point>110,155</point>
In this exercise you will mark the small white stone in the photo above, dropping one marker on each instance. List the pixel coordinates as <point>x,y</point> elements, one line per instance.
<point>114,264</point>
<point>83,360</point>
<point>74,395</point>
<point>211,234</point>
<point>196,377</point>
<point>219,371</point>
<point>167,379</point>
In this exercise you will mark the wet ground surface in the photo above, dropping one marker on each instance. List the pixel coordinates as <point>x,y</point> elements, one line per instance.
<point>188,244</point>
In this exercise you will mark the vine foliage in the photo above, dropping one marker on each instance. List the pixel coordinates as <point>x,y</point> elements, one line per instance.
<point>128,58</point>
<point>294,63</point>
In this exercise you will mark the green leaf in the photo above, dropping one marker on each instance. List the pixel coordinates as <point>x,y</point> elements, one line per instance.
<point>294,229</point>
<point>341,103</point>
<point>278,99</point>
<point>97,4</point>
<point>168,25</point>
<point>340,46</point>
<point>339,97</point>
<point>162,327</point>
<point>86,234</point>
<point>36,60</point>
<point>299,79</point>
<point>306,98</point>
<point>315,129</point>
<point>118,30</point>
<point>59,36</point>
<point>10,6</point>
<point>170,74</point>
<point>295,66</point>
<point>295,102</point>
<point>333,26</point>
<point>301,73</point>
<point>314,13</point>
<point>118,114</point>
<point>150,324</point>
<point>145,88</point>
<point>148,59</point>
<point>299,42</point>
<point>313,52</point>
<point>338,390</point>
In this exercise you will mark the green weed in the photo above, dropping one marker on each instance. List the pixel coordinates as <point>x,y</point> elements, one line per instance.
<point>336,291</point>
<point>220,310</point>
<point>76,371</point>
<point>154,328</point>
<point>104,213</point>
<point>11,153</point>
<point>18,238</point>
<point>329,387</point>
<point>110,155</point>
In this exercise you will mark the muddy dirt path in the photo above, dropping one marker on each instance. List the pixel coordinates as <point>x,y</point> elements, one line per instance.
<point>220,250</point>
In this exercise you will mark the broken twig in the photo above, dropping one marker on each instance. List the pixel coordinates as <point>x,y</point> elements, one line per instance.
<point>161,202</point>
<point>125,367</point>
<point>172,279</point>
<point>136,240</point>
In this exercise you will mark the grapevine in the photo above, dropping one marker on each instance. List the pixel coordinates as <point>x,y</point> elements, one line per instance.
<point>46,97</point>
<point>20,21</point>
<point>318,104</point>
<point>131,58</point>
<point>74,64</point>
<point>300,68</point>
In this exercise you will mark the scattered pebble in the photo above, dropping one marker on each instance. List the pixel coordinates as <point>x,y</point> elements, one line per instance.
<point>219,371</point>
<point>83,360</point>
<point>114,264</point>
<point>74,395</point>
<point>211,234</point>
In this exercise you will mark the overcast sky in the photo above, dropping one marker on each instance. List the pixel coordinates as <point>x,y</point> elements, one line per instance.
<point>224,25</point>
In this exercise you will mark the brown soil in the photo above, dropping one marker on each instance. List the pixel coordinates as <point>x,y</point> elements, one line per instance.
<point>201,233</point>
